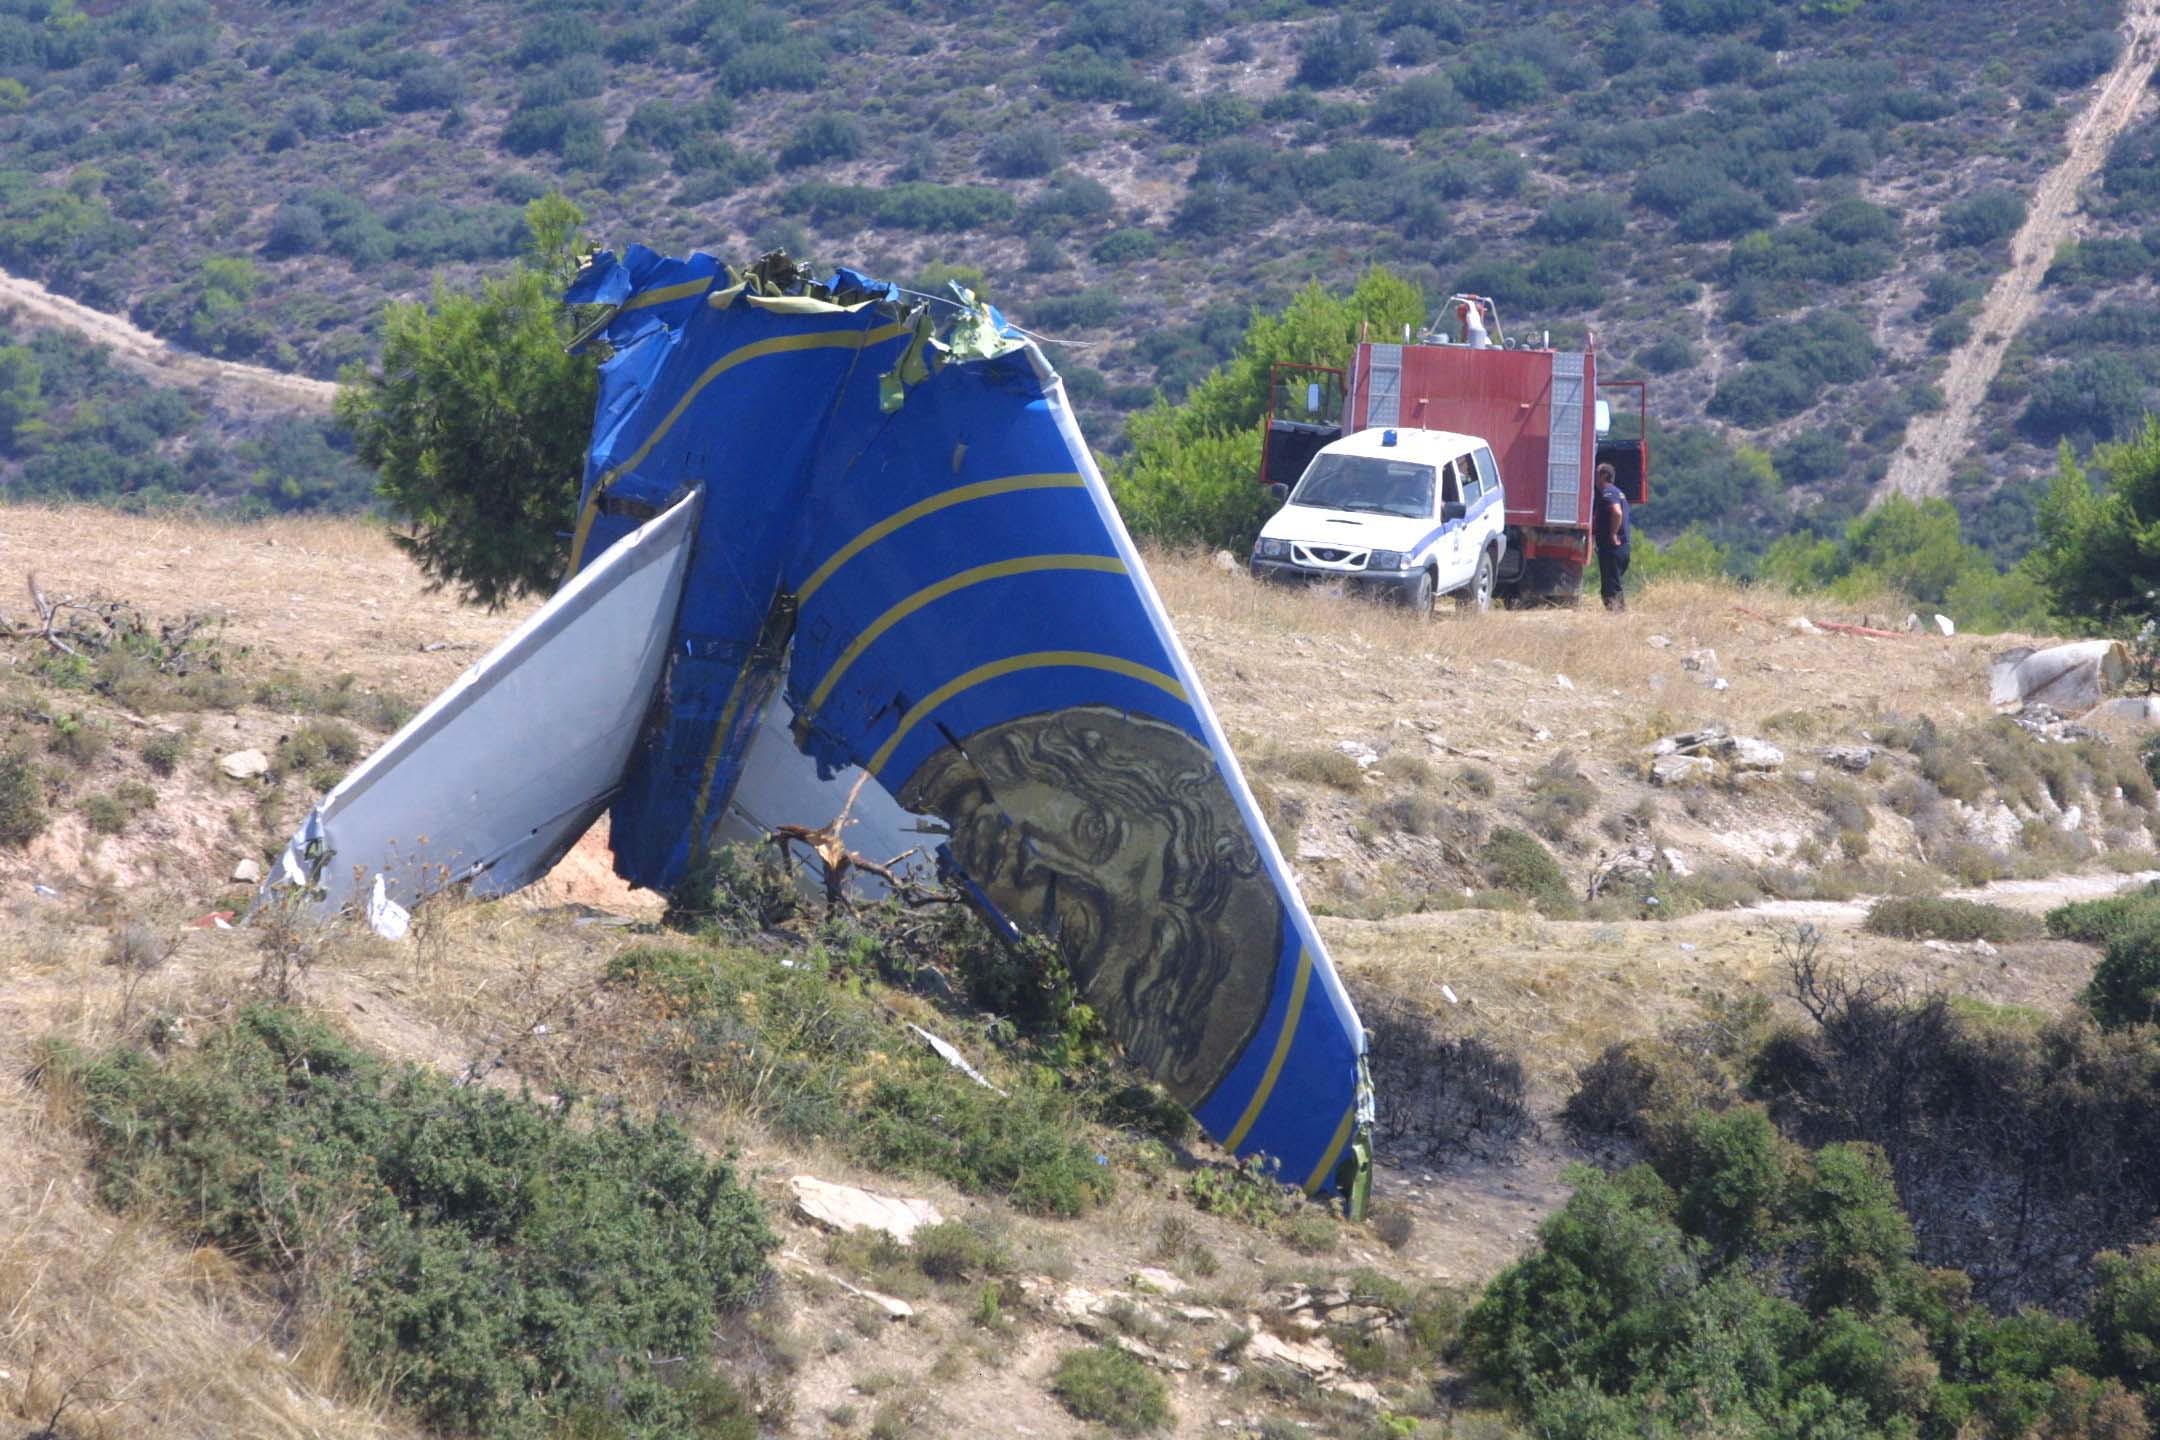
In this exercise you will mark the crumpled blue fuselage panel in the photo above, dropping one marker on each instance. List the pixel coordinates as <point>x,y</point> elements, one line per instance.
<point>947,595</point>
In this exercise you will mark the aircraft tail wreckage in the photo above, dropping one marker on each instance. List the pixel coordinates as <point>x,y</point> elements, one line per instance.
<point>827,531</point>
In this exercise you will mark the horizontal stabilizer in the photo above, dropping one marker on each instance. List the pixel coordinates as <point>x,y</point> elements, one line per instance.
<point>502,772</point>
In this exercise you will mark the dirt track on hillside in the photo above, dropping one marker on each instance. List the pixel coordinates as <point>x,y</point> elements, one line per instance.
<point>147,354</point>
<point>1935,441</point>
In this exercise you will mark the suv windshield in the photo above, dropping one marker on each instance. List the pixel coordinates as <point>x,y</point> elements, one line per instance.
<point>1368,483</point>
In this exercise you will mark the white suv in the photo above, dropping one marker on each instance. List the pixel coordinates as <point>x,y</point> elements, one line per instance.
<point>1411,514</point>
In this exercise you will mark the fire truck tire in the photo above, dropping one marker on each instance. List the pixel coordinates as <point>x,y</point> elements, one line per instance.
<point>1477,596</point>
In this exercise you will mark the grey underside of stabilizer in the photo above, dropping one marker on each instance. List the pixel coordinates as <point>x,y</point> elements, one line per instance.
<point>501,773</point>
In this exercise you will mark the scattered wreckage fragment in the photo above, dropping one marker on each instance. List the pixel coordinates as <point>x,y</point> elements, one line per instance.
<point>843,552</point>
<point>2067,678</point>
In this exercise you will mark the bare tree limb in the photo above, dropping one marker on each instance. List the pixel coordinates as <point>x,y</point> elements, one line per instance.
<point>827,843</point>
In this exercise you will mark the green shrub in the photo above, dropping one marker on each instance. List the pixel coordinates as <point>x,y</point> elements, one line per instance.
<point>2093,397</point>
<point>812,1056</point>
<point>955,1251</point>
<point>1419,104</point>
<point>500,1268</point>
<point>1122,247</point>
<point>1321,766</point>
<point>1560,795</point>
<point>106,814</point>
<point>1104,1384</point>
<point>823,139</point>
<point>1861,1244</point>
<point>1730,1172</point>
<point>163,751</point>
<point>1639,1304</point>
<point>1025,982</point>
<point>2125,988</point>
<point>22,800</point>
<point>1203,119</point>
<point>1025,151</point>
<point>314,747</point>
<point>1982,219</point>
<point>1958,921</point>
<point>1516,862</point>
<point>1674,352</point>
<point>736,890</point>
<point>2099,922</point>
<point>1083,310</point>
<point>77,739</point>
<point>908,205</point>
<point>1078,73</point>
<point>1582,217</point>
<point>1760,394</point>
<point>794,61</point>
<point>1249,1191</point>
<point>1610,1261</point>
<point>2126,1313</point>
<point>1336,54</point>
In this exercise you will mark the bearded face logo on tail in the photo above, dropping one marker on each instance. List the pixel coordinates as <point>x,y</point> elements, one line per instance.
<point>1133,858</point>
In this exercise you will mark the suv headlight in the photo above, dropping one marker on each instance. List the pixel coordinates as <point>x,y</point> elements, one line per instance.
<point>1386,560</point>
<point>1271,549</point>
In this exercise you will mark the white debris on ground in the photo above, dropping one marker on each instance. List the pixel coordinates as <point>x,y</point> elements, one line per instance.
<point>891,1306</point>
<point>385,916</point>
<point>1288,1329</point>
<point>1638,867</point>
<point>847,1208</point>
<point>1712,752</point>
<point>2066,678</point>
<point>1365,756</point>
<point>2142,711</point>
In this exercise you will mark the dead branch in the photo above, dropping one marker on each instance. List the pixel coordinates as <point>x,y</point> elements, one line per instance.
<point>828,844</point>
<point>1832,627</point>
<point>1839,627</point>
<point>50,1430</point>
<point>171,647</point>
<point>49,613</point>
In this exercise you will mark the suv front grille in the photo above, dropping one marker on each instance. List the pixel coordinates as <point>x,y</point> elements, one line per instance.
<point>1330,557</point>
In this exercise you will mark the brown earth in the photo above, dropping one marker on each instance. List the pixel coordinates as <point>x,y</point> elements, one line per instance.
<point>156,1334</point>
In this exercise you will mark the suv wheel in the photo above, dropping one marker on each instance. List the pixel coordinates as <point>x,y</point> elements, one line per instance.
<point>1421,596</point>
<point>1477,595</point>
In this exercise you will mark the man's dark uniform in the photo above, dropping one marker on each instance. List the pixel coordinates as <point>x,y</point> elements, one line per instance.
<point>1612,558</point>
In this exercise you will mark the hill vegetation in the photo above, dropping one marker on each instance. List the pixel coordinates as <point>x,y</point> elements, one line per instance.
<point>528,1171</point>
<point>1777,211</point>
<point>76,426</point>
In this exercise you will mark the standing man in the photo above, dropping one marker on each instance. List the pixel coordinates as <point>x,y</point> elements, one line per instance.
<point>1609,527</point>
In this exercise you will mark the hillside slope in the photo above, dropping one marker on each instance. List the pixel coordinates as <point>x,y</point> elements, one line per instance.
<point>159,359</point>
<point>1766,208</point>
<point>1939,440</point>
<point>1470,728</point>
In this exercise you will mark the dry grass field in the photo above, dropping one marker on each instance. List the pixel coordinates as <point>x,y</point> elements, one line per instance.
<point>111,1325</point>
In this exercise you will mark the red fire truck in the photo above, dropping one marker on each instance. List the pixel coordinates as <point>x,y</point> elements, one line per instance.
<point>1548,418</point>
